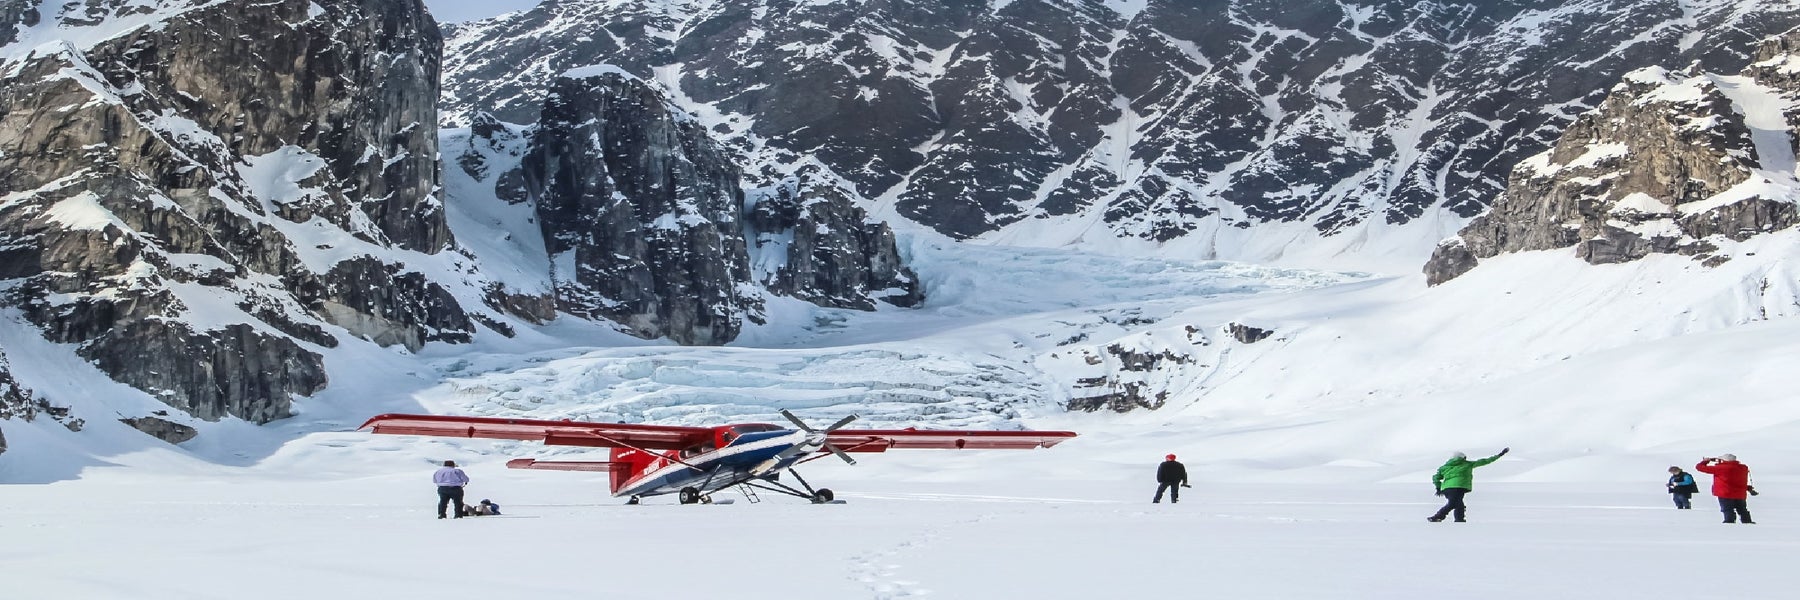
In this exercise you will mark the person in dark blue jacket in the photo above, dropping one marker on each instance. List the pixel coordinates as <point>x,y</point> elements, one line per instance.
<point>1681,484</point>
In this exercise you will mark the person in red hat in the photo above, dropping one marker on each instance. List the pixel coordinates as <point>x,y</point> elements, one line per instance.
<point>1170,477</point>
<point>1731,484</point>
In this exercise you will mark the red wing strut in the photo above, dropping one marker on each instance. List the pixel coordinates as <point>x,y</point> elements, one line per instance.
<point>882,440</point>
<point>561,465</point>
<point>554,433</point>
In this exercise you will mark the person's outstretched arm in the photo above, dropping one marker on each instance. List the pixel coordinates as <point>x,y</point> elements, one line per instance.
<point>1490,460</point>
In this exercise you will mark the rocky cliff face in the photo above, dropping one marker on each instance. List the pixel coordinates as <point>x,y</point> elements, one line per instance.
<point>1192,125</point>
<point>646,223</point>
<point>1669,163</point>
<point>639,210</point>
<point>812,242</point>
<point>201,195</point>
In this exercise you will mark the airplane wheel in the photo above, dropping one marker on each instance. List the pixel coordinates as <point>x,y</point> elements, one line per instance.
<point>689,495</point>
<point>823,496</point>
<point>634,500</point>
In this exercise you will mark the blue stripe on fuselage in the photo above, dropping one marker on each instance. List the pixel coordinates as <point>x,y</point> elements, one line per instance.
<point>718,469</point>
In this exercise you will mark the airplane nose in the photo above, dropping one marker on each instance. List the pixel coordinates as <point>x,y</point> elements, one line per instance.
<point>818,438</point>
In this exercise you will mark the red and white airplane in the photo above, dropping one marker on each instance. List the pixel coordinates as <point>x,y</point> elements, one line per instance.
<point>696,462</point>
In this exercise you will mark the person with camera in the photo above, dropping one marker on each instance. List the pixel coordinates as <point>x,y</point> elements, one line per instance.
<point>1456,478</point>
<point>1682,486</point>
<point>1731,484</point>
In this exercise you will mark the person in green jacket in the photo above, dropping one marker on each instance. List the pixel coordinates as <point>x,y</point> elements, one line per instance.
<point>1456,478</point>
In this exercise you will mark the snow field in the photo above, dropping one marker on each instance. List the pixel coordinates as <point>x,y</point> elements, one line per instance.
<point>124,536</point>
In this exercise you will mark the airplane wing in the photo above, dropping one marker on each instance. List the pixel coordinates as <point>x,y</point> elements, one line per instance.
<point>554,433</point>
<point>882,440</point>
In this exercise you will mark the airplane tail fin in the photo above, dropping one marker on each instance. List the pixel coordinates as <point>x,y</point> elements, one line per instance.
<point>628,464</point>
<point>625,464</point>
<point>620,471</point>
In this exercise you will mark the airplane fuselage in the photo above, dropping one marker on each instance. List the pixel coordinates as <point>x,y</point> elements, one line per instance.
<point>751,456</point>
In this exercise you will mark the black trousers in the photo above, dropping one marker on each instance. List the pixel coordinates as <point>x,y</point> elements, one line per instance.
<point>450,495</point>
<point>1734,508</point>
<point>1453,504</point>
<point>1174,490</point>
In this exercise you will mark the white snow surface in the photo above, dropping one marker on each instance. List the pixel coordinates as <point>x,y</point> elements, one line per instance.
<point>597,71</point>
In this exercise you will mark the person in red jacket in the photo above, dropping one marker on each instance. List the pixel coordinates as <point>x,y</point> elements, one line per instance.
<point>1731,483</point>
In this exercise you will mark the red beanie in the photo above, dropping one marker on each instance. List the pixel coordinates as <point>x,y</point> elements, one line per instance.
<point>1170,457</point>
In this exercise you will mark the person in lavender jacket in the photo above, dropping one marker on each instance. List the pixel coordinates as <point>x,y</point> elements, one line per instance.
<point>450,481</point>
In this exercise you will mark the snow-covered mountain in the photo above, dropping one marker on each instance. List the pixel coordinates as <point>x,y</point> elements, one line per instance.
<point>236,259</point>
<point>1240,129</point>
<point>210,200</point>
<point>201,233</point>
<point>232,230</point>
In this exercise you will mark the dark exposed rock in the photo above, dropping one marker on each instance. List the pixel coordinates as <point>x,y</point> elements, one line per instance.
<point>1248,334</point>
<point>646,224</point>
<point>384,304</point>
<point>1117,391</point>
<point>1121,398</point>
<point>828,250</point>
<point>1668,164</point>
<point>1742,220</point>
<point>234,371</point>
<point>640,211</point>
<point>1450,260</point>
<point>488,137</point>
<point>531,307</point>
<point>162,429</point>
<point>14,13</point>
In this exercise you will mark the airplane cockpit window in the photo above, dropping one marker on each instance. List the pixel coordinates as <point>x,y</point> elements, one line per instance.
<point>695,450</point>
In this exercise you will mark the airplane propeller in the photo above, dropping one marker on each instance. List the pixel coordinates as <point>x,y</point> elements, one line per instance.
<point>818,437</point>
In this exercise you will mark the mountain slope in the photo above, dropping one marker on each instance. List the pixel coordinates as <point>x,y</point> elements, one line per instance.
<point>225,205</point>
<point>1236,129</point>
